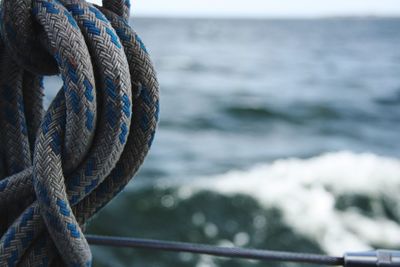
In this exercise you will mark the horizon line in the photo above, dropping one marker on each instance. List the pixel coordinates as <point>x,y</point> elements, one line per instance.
<point>266,17</point>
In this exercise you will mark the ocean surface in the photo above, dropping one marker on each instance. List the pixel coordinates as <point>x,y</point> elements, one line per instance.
<point>273,134</point>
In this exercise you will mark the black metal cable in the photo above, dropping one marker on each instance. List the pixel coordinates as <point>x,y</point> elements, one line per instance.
<point>254,254</point>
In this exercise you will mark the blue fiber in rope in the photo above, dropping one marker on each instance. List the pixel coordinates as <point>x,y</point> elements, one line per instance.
<point>83,153</point>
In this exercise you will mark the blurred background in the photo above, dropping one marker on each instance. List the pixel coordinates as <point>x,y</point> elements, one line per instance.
<point>279,129</point>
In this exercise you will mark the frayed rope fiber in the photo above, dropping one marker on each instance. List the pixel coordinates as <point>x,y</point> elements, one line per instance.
<point>59,166</point>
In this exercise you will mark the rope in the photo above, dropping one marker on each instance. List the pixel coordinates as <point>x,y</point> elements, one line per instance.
<point>252,254</point>
<point>60,166</point>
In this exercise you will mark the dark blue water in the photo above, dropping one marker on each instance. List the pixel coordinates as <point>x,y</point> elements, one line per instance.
<point>279,134</point>
<point>235,93</point>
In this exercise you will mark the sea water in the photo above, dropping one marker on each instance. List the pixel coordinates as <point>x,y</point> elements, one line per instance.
<point>273,134</point>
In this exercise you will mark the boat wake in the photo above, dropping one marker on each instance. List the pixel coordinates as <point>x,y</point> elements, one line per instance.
<point>342,200</point>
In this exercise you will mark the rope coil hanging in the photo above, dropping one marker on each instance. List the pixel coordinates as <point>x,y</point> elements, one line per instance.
<point>60,166</point>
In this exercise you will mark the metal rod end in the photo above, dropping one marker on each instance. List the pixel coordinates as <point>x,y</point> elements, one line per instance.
<point>377,258</point>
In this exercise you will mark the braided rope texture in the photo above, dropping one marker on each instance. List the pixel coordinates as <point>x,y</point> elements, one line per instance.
<point>60,166</point>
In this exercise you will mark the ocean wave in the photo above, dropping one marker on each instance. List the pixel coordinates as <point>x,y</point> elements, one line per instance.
<point>300,112</point>
<point>320,197</point>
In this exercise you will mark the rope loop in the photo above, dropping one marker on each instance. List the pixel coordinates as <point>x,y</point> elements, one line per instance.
<point>22,37</point>
<point>60,166</point>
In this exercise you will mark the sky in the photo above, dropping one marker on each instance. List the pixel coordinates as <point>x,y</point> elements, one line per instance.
<point>264,8</point>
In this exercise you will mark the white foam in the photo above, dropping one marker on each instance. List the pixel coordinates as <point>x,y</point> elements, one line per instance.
<point>305,191</point>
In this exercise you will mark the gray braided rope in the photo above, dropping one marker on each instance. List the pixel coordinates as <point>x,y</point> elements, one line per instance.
<point>83,150</point>
<point>18,37</point>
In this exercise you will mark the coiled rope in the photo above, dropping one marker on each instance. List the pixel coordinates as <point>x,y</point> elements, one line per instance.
<point>60,166</point>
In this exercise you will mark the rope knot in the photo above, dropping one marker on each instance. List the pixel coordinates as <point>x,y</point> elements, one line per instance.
<point>60,166</point>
